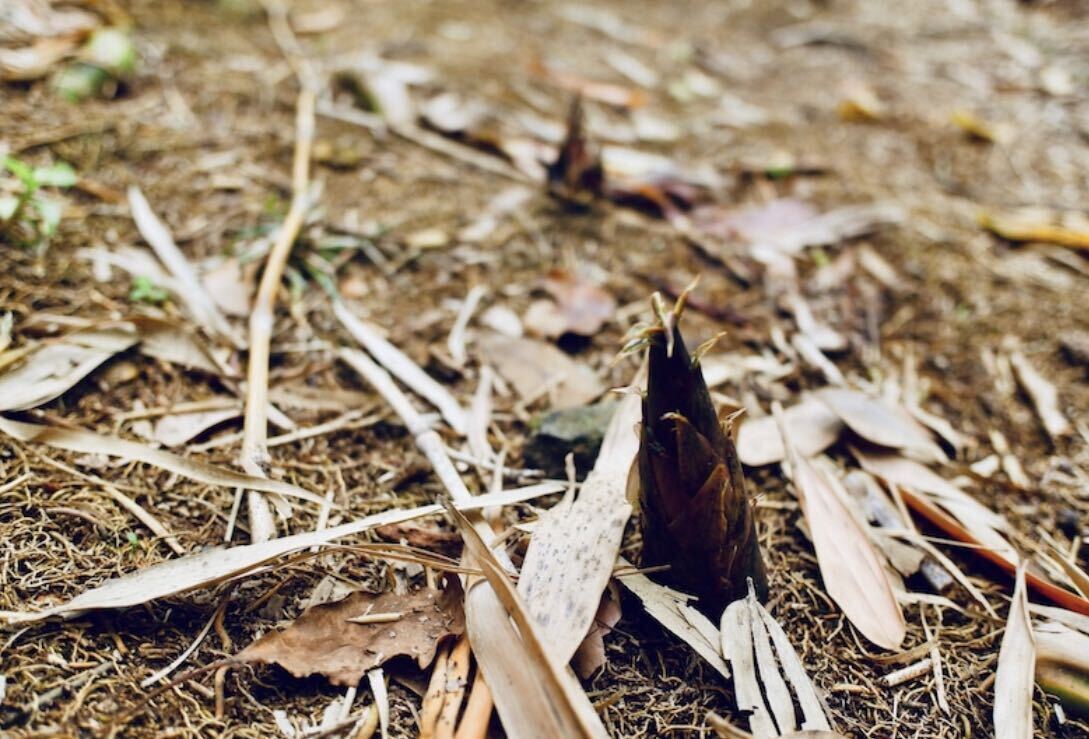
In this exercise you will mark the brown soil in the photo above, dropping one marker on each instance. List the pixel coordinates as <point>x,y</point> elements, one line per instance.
<point>213,97</point>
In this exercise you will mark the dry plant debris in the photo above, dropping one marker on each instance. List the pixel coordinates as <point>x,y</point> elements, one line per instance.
<point>403,236</point>
<point>345,639</point>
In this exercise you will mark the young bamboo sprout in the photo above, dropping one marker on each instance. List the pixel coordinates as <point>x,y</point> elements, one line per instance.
<point>696,514</point>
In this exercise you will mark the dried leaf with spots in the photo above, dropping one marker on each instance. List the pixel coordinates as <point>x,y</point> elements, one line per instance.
<point>575,544</point>
<point>53,368</point>
<point>325,640</point>
<point>764,662</point>
<point>1016,666</point>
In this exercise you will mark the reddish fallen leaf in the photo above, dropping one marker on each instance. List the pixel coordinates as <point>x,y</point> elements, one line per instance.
<point>421,536</point>
<point>580,306</point>
<point>324,641</point>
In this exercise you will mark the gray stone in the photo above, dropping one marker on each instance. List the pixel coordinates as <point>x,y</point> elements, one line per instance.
<point>577,431</point>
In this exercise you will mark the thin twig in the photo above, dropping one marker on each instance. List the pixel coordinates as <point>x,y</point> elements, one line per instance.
<point>255,426</point>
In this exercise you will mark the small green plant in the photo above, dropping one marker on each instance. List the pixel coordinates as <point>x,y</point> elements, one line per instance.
<point>145,291</point>
<point>27,216</point>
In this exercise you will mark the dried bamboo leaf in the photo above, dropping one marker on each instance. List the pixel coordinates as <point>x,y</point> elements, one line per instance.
<point>1016,667</point>
<point>575,544</point>
<point>1044,396</point>
<point>850,566</point>
<point>208,568</point>
<point>51,369</point>
<point>669,608</point>
<point>537,369</point>
<point>569,712</point>
<point>177,428</point>
<point>881,422</point>
<point>747,630</point>
<point>88,442</point>
<point>813,427</point>
<point>324,639</point>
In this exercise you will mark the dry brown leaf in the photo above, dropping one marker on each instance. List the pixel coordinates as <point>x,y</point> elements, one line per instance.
<point>984,524</point>
<point>813,428</point>
<point>52,369</point>
<point>177,344</point>
<point>757,646</point>
<point>880,422</point>
<point>853,573</point>
<point>537,369</point>
<point>323,640</point>
<point>590,656</point>
<point>1016,667</point>
<point>575,543</point>
<point>207,568</point>
<point>580,306</point>
<point>787,226</point>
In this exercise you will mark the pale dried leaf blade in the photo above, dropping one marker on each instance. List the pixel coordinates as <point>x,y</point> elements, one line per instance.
<point>813,428</point>
<point>206,568</point>
<point>52,369</point>
<point>1044,396</point>
<point>737,645</point>
<point>575,544</point>
<point>537,369</point>
<point>87,442</point>
<point>852,571</point>
<point>176,429</point>
<point>880,422</point>
<point>324,640</point>
<point>1013,682</point>
<point>569,710</point>
<point>668,608</point>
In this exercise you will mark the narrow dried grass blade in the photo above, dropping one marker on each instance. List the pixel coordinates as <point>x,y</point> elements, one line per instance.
<point>575,544</point>
<point>88,442</point>
<point>208,568</point>
<point>813,715</point>
<point>398,364</point>
<point>1016,667</point>
<point>200,304</point>
<point>1044,396</point>
<point>850,566</point>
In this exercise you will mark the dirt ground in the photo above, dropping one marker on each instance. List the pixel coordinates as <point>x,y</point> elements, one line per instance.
<point>206,129</point>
